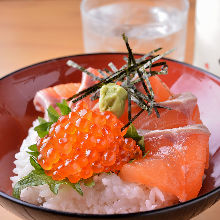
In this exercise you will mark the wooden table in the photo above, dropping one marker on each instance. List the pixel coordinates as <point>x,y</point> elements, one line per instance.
<point>37,30</point>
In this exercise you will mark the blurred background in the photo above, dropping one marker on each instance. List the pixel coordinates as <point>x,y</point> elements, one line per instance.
<point>36,30</point>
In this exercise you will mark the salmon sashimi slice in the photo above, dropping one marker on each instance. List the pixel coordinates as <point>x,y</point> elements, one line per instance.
<point>175,163</point>
<point>184,111</point>
<point>160,89</point>
<point>161,93</point>
<point>52,95</point>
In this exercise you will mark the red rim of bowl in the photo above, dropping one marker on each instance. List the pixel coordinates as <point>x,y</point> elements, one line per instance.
<point>144,213</point>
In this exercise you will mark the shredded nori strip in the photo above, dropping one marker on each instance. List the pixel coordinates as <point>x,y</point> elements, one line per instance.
<point>149,93</point>
<point>75,65</point>
<point>135,117</point>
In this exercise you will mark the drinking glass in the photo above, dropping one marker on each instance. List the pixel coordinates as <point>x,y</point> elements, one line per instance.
<point>207,36</point>
<point>149,24</point>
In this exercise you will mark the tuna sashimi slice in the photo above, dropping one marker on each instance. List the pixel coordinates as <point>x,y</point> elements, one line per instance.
<point>175,163</point>
<point>184,111</point>
<point>52,95</point>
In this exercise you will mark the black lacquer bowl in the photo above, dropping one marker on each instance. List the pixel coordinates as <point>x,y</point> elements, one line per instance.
<point>17,113</point>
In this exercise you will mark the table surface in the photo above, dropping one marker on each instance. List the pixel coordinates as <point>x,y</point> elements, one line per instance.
<point>37,30</point>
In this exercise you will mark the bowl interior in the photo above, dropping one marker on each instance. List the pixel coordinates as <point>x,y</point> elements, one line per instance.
<point>17,111</point>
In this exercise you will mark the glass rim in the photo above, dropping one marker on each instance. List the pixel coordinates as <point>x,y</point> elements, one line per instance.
<point>83,4</point>
<point>84,11</point>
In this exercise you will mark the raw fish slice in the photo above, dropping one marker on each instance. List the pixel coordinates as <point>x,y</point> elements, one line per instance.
<point>184,111</point>
<point>87,81</point>
<point>160,89</point>
<point>175,163</point>
<point>52,95</point>
<point>161,94</point>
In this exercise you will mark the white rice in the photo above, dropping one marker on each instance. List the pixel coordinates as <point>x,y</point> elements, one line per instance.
<point>109,195</point>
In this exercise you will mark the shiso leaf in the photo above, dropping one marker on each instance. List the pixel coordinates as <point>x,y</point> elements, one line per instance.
<point>53,114</point>
<point>41,120</point>
<point>35,164</point>
<point>89,182</point>
<point>37,178</point>
<point>33,153</point>
<point>43,129</point>
<point>77,187</point>
<point>64,108</point>
<point>141,144</point>
<point>132,133</point>
<point>33,147</point>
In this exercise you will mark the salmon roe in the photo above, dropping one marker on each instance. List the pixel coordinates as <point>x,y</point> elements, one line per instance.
<point>85,143</point>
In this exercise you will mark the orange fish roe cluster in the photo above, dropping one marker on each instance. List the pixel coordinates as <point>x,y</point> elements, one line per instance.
<point>85,143</point>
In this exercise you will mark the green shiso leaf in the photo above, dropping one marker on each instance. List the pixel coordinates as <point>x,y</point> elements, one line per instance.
<point>141,144</point>
<point>77,187</point>
<point>33,147</point>
<point>33,153</point>
<point>37,178</point>
<point>53,114</point>
<point>89,182</point>
<point>43,129</point>
<point>64,108</point>
<point>132,133</point>
<point>35,164</point>
<point>41,120</point>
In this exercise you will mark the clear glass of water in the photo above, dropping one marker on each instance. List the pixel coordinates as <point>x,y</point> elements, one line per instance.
<point>207,35</point>
<point>149,24</point>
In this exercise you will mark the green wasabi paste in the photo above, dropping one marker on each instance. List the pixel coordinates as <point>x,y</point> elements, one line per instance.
<point>112,98</point>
